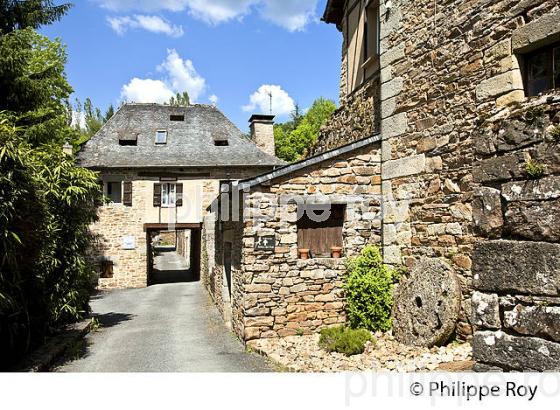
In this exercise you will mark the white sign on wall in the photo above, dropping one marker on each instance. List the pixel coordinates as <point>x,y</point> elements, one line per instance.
<point>129,242</point>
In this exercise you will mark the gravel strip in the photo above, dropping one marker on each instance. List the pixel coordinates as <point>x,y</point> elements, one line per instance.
<point>303,354</point>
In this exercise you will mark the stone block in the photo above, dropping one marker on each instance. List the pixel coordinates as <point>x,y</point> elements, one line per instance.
<point>516,266</point>
<point>541,321</point>
<point>487,212</point>
<point>404,167</point>
<point>516,353</point>
<point>265,321</point>
<point>258,288</point>
<point>392,88</point>
<point>392,255</point>
<point>498,51</point>
<point>486,310</point>
<point>395,212</point>
<point>545,29</point>
<point>537,221</point>
<point>498,85</point>
<point>532,190</point>
<point>394,126</point>
<point>495,169</point>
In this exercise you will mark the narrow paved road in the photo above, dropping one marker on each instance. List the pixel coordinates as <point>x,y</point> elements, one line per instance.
<point>162,328</point>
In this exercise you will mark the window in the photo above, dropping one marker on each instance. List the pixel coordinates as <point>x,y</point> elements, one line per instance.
<point>168,195</point>
<point>221,143</point>
<point>176,118</point>
<point>114,192</point>
<point>161,137</point>
<point>542,70</point>
<point>362,41</point>
<point>119,192</point>
<point>320,229</point>
<point>128,143</point>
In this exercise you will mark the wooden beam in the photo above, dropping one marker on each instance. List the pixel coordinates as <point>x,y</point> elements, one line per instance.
<point>165,227</point>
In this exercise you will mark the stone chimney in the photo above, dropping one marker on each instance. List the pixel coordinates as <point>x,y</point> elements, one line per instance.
<point>68,149</point>
<point>262,132</point>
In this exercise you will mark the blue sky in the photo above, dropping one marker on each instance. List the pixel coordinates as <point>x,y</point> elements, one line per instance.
<point>230,52</point>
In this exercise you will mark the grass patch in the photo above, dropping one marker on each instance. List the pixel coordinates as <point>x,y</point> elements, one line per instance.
<point>344,340</point>
<point>555,134</point>
<point>533,169</point>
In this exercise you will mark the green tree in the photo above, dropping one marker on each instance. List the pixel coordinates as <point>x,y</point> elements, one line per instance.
<point>294,138</point>
<point>46,201</point>
<point>18,14</point>
<point>180,100</point>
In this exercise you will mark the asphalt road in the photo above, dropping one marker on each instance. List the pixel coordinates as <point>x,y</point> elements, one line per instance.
<point>162,328</point>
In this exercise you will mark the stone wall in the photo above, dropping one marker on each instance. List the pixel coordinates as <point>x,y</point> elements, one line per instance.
<point>442,69</point>
<point>273,292</point>
<point>357,118</point>
<point>117,221</point>
<point>516,305</point>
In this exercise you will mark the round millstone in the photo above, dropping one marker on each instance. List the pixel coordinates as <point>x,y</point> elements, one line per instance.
<point>427,304</point>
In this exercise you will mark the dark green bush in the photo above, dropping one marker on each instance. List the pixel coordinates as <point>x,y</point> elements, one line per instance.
<point>344,340</point>
<point>369,291</point>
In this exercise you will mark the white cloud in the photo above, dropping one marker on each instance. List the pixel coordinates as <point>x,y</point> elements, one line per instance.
<point>146,91</point>
<point>282,103</point>
<point>220,11</point>
<point>213,99</point>
<point>293,15</point>
<point>153,24</point>
<point>178,76</point>
<point>182,76</point>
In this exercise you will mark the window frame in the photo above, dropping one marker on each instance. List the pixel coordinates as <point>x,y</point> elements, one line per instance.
<point>309,232</point>
<point>167,193</point>
<point>551,69</point>
<point>360,72</point>
<point>165,133</point>
<point>108,191</point>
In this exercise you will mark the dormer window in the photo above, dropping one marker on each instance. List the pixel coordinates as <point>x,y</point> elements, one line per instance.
<point>128,139</point>
<point>220,140</point>
<point>161,137</point>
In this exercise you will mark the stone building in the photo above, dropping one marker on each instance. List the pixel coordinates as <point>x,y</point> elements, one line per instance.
<point>466,114</point>
<point>161,168</point>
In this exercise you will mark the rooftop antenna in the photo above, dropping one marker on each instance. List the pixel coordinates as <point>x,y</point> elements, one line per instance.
<point>270,96</point>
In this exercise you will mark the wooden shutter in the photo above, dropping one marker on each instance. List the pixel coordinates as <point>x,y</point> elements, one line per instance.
<point>179,193</point>
<point>127,193</point>
<point>157,195</point>
<point>355,43</point>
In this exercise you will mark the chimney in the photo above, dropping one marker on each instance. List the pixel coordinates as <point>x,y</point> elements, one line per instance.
<point>68,149</point>
<point>262,132</point>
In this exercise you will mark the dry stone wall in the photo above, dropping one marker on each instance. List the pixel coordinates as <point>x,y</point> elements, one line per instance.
<point>273,292</point>
<point>516,304</point>
<point>443,66</point>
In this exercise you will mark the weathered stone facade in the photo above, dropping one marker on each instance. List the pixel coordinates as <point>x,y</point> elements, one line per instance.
<point>117,221</point>
<point>274,293</point>
<point>516,303</point>
<point>442,68</point>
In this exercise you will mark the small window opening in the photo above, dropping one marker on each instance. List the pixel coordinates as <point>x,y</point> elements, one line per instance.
<point>177,118</point>
<point>542,70</point>
<point>320,228</point>
<point>128,143</point>
<point>161,137</point>
<point>221,143</point>
<point>114,192</point>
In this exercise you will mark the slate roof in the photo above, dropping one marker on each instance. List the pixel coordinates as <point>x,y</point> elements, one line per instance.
<point>190,143</point>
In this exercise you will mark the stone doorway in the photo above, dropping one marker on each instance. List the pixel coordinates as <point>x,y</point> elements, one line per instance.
<point>173,254</point>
